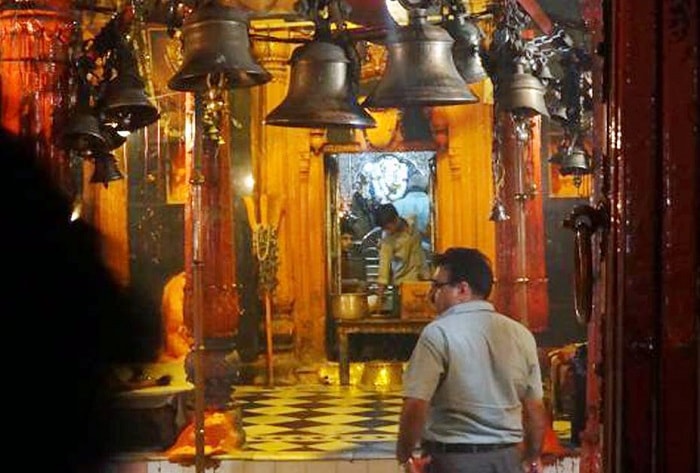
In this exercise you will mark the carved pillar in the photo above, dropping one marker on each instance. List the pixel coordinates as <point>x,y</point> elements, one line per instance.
<point>34,47</point>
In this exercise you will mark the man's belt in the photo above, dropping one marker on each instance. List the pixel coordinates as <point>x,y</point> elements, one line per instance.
<point>439,447</point>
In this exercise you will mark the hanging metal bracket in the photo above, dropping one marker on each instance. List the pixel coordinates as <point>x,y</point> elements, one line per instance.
<point>585,220</point>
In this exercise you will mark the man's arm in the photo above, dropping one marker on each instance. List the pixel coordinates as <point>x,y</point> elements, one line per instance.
<point>386,253</point>
<point>535,424</point>
<point>413,414</point>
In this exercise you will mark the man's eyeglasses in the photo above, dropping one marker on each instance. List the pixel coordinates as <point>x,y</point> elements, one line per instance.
<point>435,285</point>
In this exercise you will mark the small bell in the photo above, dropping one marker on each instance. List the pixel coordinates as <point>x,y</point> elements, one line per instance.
<point>522,93</point>
<point>106,169</point>
<point>575,162</point>
<point>82,132</point>
<point>545,75</point>
<point>498,212</point>
<point>123,102</point>
<point>555,106</point>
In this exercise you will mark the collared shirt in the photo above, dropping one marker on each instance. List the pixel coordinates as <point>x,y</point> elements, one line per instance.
<point>474,366</point>
<point>401,257</point>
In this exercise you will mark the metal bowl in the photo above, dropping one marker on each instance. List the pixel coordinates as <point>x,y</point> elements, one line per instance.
<point>349,305</point>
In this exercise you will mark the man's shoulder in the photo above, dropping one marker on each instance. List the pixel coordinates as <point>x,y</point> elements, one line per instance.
<point>435,328</point>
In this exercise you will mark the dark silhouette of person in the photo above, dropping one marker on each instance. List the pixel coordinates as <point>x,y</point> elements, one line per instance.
<point>67,319</point>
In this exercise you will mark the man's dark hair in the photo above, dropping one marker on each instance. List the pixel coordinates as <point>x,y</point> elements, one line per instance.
<point>470,265</point>
<point>346,225</point>
<point>385,213</point>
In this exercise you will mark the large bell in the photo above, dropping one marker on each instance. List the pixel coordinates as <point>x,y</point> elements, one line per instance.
<point>420,68</point>
<point>466,48</point>
<point>216,48</point>
<point>320,93</point>
<point>522,93</point>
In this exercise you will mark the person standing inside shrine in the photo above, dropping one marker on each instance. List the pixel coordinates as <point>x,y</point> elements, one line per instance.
<point>401,255</point>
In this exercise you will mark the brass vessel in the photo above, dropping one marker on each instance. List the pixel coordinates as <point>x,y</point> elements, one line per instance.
<point>349,305</point>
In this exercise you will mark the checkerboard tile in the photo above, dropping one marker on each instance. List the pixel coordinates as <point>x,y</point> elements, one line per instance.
<point>318,421</point>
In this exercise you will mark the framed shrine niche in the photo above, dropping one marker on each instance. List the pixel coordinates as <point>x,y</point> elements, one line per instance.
<point>358,183</point>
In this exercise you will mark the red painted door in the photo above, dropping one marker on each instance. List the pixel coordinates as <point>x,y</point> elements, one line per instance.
<point>643,333</point>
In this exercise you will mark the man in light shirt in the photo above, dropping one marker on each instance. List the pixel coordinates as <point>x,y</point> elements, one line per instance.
<point>472,387</point>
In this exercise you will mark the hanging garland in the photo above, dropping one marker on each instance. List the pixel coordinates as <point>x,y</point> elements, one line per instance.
<point>265,245</point>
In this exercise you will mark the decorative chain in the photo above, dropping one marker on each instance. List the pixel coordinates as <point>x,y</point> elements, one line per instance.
<point>537,51</point>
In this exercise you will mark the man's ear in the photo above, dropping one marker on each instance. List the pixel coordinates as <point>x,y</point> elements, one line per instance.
<point>465,290</point>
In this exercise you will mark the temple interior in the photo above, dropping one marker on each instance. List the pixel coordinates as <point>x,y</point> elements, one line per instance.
<point>241,150</point>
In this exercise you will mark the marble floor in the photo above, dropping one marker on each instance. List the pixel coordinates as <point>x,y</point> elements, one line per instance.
<point>312,428</point>
<point>316,421</point>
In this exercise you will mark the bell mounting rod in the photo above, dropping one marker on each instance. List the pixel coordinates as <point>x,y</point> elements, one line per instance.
<point>538,15</point>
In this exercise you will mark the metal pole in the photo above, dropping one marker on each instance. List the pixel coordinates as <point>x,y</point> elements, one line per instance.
<point>268,339</point>
<point>522,137</point>
<point>197,184</point>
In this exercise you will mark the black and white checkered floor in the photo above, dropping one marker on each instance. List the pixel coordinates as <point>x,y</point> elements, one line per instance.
<point>330,428</point>
<point>318,421</point>
<point>323,422</point>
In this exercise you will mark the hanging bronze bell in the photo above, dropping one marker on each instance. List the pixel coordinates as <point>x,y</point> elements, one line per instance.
<point>555,107</point>
<point>125,105</point>
<point>123,102</point>
<point>113,139</point>
<point>575,162</point>
<point>216,50</point>
<point>106,169</point>
<point>320,92</point>
<point>466,49</point>
<point>82,132</point>
<point>522,93</point>
<point>420,68</point>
